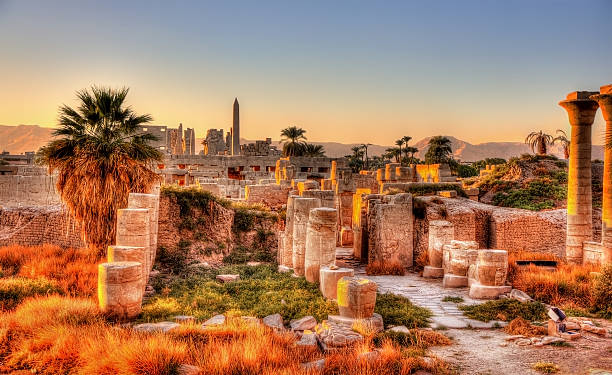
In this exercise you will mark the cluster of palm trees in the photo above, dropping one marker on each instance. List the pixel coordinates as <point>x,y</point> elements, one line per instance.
<point>402,156</point>
<point>294,143</point>
<point>539,142</point>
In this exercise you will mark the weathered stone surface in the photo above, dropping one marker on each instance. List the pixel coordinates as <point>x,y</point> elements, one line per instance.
<point>130,254</point>
<point>134,229</point>
<point>329,276</point>
<point>120,289</point>
<point>284,269</point>
<point>301,213</point>
<point>441,232</point>
<point>334,334</point>
<point>520,295</point>
<point>227,278</point>
<point>320,241</point>
<point>314,365</point>
<point>274,321</point>
<point>492,267</point>
<point>308,339</point>
<point>303,324</point>
<point>356,297</point>
<point>156,327</point>
<point>448,193</point>
<point>372,324</point>
<point>400,329</point>
<point>214,321</point>
<point>184,319</point>
<point>391,230</point>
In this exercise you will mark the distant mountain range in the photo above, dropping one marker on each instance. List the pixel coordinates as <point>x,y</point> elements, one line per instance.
<point>22,138</point>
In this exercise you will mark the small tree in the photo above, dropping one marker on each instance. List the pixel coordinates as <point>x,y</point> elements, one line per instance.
<point>313,150</point>
<point>565,142</point>
<point>539,141</point>
<point>440,150</point>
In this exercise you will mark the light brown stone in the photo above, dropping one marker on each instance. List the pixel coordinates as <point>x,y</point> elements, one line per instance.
<point>320,241</point>
<point>120,289</point>
<point>329,277</point>
<point>356,297</point>
<point>301,213</point>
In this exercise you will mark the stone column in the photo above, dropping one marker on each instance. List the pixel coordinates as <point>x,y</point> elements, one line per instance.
<point>120,289</point>
<point>150,202</point>
<point>581,112</point>
<point>605,103</point>
<point>394,232</point>
<point>356,297</point>
<point>129,254</point>
<point>301,212</point>
<point>441,232</point>
<point>133,229</point>
<point>329,277</point>
<point>320,242</point>
<point>286,258</point>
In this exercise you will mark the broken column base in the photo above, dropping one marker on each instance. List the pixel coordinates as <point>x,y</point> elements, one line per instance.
<point>373,323</point>
<point>454,281</point>
<point>479,291</point>
<point>433,272</point>
<point>328,278</point>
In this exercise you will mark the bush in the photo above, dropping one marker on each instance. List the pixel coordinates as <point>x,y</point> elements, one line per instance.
<point>415,337</point>
<point>398,311</point>
<point>602,292</point>
<point>506,310</point>
<point>538,194</point>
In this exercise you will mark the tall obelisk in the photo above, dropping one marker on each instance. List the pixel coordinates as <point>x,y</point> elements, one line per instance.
<point>236,129</point>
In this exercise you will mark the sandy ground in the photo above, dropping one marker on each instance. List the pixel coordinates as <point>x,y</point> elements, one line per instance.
<point>478,351</point>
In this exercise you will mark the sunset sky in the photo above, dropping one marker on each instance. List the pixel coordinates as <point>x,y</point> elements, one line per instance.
<point>346,71</point>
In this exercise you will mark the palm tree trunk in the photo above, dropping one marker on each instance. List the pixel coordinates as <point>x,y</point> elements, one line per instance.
<point>542,148</point>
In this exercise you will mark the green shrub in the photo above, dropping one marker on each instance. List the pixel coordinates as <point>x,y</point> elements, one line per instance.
<point>175,259</point>
<point>538,194</point>
<point>397,310</point>
<point>244,220</point>
<point>14,290</point>
<point>260,291</point>
<point>602,292</point>
<point>452,299</point>
<point>505,309</point>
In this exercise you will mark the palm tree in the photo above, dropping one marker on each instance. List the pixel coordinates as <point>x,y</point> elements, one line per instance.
<point>356,159</point>
<point>399,143</point>
<point>405,139</point>
<point>393,152</point>
<point>100,158</point>
<point>411,150</point>
<point>565,142</point>
<point>439,151</point>
<point>293,141</point>
<point>313,150</point>
<point>365,146</point>
<point>540,141</point>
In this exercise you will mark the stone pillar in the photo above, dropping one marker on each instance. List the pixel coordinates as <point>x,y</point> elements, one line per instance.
<point>329,277</point>
<point>120,289</point>
<point>390,169</point>
<point>356,297</point>
<point>605,103</point>
<point>150,202</point>
<point>286,257</point>
<point>457,258</point>
<point>357,232</point>
<point>581,111</point>
<point>320,242</point>
<point>326,196</point>
<point>301,212</point>
<point>487,277</point>
<point>394,232</point>
<point>129,254</point>
<point>133,229</point>
<point>441,232</point>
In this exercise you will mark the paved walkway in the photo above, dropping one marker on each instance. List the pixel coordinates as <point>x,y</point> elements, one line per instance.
<point>427,293</point>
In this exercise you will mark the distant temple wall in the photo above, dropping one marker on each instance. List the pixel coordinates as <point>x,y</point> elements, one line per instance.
<point>37,190</point>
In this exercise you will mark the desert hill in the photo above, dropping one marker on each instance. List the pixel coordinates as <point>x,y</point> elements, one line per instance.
<point>22,138</point>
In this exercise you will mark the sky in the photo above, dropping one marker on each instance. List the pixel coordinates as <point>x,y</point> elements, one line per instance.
<point>346,71</point>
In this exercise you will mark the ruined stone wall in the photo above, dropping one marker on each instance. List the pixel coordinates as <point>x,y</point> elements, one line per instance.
<point>210,234</point>
<point>38,225</point>
<point>20,191</point>
<point>273,196</point>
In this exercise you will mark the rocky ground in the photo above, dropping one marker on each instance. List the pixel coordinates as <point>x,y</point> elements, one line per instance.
<point>479,348</point>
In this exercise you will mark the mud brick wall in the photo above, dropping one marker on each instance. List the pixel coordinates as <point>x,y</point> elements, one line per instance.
<point>522,230</point>
<point>36,190</point>
<point>38,225</point>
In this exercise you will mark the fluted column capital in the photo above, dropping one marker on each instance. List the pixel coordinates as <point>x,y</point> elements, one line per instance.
<point>581,109</point>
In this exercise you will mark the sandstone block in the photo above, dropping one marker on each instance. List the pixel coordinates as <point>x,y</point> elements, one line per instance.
<point>227,278</point>
<point>274,321</point>
<point>356,297</point>
<point>303,324</point>
<point>120,289</point>
<point>302,207</point>
<point>448,193</point>
<point>214,321</point>
<point>320,241</point>
<point>329,277</point>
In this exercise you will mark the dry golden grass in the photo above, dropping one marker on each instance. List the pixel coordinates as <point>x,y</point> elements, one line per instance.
<point>64,335</point>
<point>385,268</point>
<point>74,271</point>
<point>520,326</point>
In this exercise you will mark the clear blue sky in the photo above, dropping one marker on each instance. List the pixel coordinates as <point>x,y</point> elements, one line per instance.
<point>347,71</point>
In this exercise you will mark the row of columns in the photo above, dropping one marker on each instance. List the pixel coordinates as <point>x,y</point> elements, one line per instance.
<point>581,107</point>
